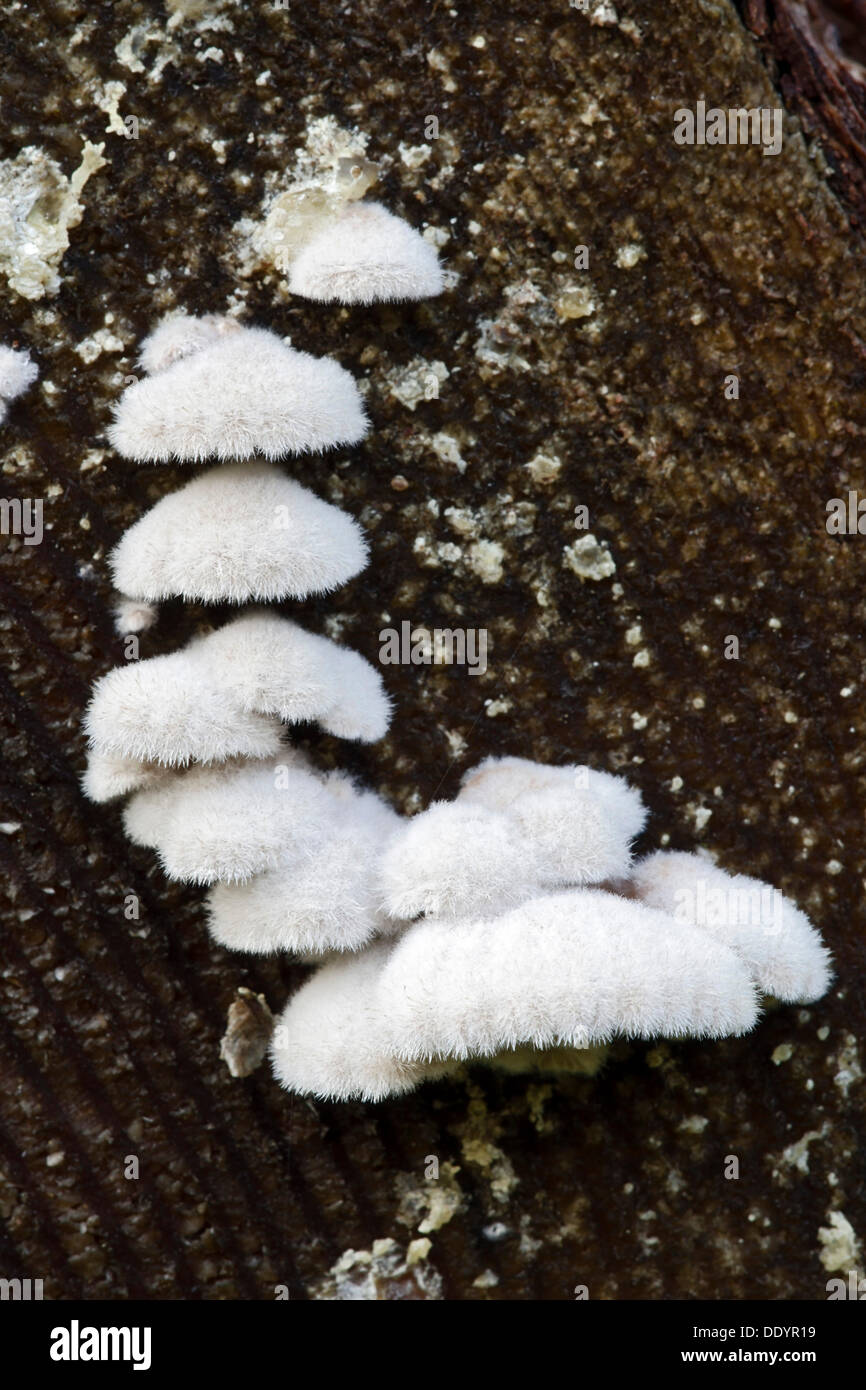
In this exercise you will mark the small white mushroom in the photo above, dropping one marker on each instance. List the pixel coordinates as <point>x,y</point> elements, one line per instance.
<point>327,902</point>
<point>243,393</point>
<point>222,695</point>
<point>366,254</point>
<point>569,838</point>
<point>455,861</point>
<point>276,667</point>
<point>131,615</point>
<point>179,335</point>
<point>516,829</point>
<point>774,939</point>
<point>502,783</point>
<point>225,824</point>
<point>572,969</point>
<point>17,372</point>
<point>238,533</point>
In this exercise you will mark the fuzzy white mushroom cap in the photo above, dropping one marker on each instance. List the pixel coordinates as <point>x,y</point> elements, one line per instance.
<point>452,861</point>
<point>327,902</point>
<point>502,783</point>
<point>569,837</point>
<point>17,372</point>
<point>222,695</point>
<point>276,667</point>
<point>245,393</point>
<point>238,533</point>
<point>225,824</point>
<point>106,778</point>
<point>181,335</point>
<point>774,939</point>
<point>516,828</point>
<point>571,969</point>
<point>364,255</point>
<point>165,710</point>
<point>329,1040</point>
<point>131,615</point>
<point>575,969</point>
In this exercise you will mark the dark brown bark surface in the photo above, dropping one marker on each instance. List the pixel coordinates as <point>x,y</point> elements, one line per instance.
<point>704,262</point>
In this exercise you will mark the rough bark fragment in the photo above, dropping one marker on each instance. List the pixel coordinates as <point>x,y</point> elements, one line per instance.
<point>818,51</point>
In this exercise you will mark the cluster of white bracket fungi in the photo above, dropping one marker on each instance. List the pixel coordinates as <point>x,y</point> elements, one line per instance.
<point>534,942</point>
<point>509,925</point>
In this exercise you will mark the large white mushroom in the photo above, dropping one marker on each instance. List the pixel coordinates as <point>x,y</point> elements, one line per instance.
<point>672,948</point>
<point>232,395</point>
<point>223,695</point>
<point>238,533</point>
<point>366,254</point>
<point>567,970</point>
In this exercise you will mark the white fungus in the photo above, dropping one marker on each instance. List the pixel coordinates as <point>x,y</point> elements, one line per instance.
<point>133,616</point>
<point>775,940</point>
<point>509,925</point>
<point>515,830</point>
<point>179,335</point>
<point>239,394</point>
<point>278,668</point>
<point>238,533</point>
<point>573,969</point>
<point>224,824</point>
<point>165,710</point>
<point>223,695</point>
<point>106,778</point>
<point>499,969</point>
<point>575,825</point>
<point>327,902</point>
<point>366,254</point>
<point>329,1040</point>
<point>500,783</point>
<point>17,372</point>
<point>452,861</point>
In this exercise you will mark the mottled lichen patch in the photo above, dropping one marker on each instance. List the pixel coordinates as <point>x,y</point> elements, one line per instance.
<point>39,205</point>
<point>383,1273</point>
